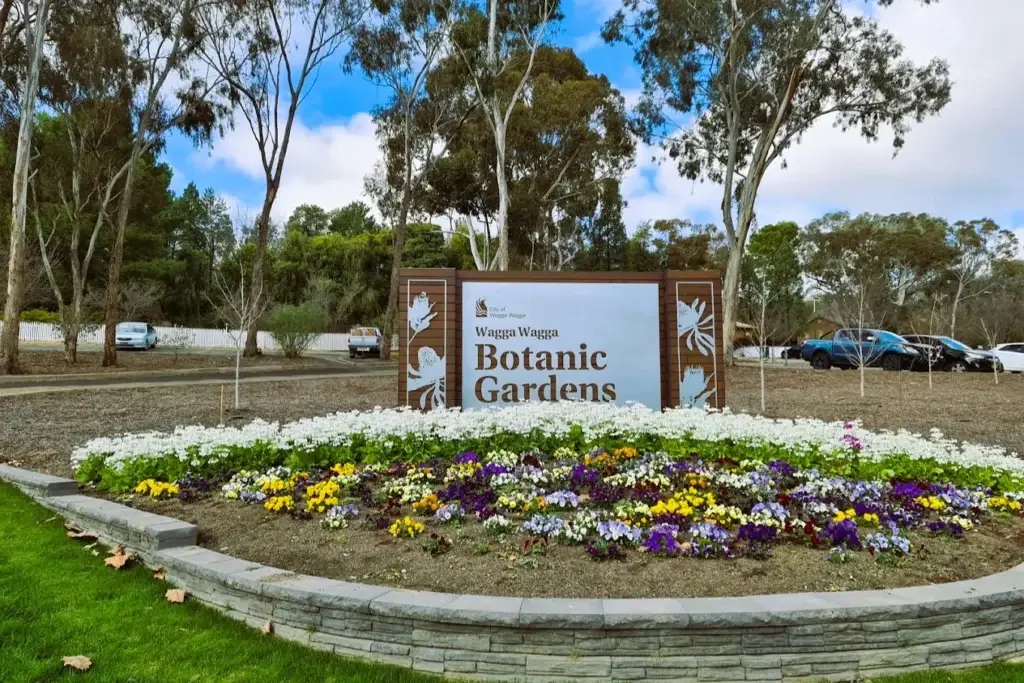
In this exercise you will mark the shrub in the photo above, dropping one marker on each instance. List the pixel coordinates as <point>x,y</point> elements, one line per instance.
<point>295,327</point>
<point>38,315</point>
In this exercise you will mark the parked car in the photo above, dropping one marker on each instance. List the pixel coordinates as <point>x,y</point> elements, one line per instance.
<point>848,348</point>
<point>947,353</point>
<point>1011,356</point>
<point>135,336</point>
<point>792,353</point>
<point>364,341</point>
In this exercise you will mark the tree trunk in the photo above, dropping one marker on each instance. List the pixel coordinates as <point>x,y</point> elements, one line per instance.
<point>391,315</point>
<point>730,297</point>
<point>262,236</point>
<point>503,201</point>
<point>19,200</point>
<point>71,345</point>
<point>116,257</point>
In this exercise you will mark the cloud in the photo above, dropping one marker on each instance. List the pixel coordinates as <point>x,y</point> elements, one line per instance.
<point>325,165</point>
<point>588,42</point>
<point>962,164</point>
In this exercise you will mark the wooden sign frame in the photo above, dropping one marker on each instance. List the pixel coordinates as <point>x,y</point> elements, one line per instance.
<point>430,310</point>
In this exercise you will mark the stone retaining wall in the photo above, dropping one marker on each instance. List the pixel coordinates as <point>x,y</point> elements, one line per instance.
<point>796,637</point>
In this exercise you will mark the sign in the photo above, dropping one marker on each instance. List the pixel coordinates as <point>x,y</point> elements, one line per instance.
<point>482,339</point>
<point>560,341</point>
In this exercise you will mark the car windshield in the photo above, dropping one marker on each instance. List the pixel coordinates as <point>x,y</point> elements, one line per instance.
<point>132,328</point>
<point>363,332</point>
<point>954,344</point>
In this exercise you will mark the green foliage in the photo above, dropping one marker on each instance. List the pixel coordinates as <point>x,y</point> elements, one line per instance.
<point>37,315</point>
<point>295,327</point>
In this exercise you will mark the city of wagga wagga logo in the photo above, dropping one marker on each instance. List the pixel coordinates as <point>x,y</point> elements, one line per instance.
<point>489,388</point>
<point>481,308</point>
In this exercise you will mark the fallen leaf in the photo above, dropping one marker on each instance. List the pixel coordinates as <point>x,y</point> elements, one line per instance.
<point>119,550</point>
<point>176,595</point>
<point>160,574</point>
<point>78,662</point>
<point>118,561</point>
<point>51,519</point>
<point>83,535</point>
<point>96,553</point>
<point>71,527</point>
<point>91,545</point>
<point>267,628</point>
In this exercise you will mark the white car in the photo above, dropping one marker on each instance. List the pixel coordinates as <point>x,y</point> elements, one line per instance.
<point>1011,356</point>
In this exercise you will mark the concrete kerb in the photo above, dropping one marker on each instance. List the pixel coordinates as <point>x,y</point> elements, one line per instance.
<point>795,637</point>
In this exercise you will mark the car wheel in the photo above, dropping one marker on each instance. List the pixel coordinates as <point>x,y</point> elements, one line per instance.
<point>820,361</point>
<point>891,362</point>
<point>958,366</point>
<point>351,354</point>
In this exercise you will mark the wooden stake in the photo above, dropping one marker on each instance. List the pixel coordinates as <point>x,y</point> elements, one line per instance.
<point>221,404</point>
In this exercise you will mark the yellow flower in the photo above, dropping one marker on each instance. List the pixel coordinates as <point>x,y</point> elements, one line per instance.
<point>427,504</point>
<point>930,503</point>
<point>156,489</point>
<point>346,470</point>
<point>1001,503</point>
<point>407,526</point>
<point>871,518</point>
<point>279,504</point>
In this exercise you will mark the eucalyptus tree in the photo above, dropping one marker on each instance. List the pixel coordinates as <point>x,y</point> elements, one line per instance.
<point>170,92</point>
<point>497,43</point>
<point>269,54</point>
<point>34,17</point>
<point>750,77</point>
<point>397,50</point>
<point>88,86</point>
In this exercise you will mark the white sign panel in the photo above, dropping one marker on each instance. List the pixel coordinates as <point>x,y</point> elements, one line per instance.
<point>560,341</point>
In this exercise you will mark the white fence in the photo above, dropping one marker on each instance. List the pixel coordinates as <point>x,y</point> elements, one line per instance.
<point>196,338</point>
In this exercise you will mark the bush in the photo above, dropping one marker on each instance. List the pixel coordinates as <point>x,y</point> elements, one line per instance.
<point>38,315</point>
<point>295,327</point>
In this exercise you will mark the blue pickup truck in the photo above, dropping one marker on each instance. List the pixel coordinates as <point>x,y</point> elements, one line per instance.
<point>851,348</point>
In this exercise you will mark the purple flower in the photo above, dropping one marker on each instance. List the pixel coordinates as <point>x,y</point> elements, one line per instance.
<point>781,467</point>
<point>708,540</point>
<point>467,457</point>
<point>582,477</point>
<point>661,540</point>
<point>843,534</point>
<point>614,530</point>
<point>491,469</point>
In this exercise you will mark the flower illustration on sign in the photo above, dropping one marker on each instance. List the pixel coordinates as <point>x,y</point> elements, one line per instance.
<point>694,327</point>
<point>420,314</point>
<point>430,376</point>
<point>693,389</point>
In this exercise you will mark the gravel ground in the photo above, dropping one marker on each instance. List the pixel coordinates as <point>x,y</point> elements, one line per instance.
<point>38,362</point>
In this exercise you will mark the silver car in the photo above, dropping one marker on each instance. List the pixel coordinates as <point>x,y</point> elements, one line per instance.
<point>136,336</point>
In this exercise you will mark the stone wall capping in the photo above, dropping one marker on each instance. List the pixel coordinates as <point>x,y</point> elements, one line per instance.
<point>37,484</point>
<point>792,637</point>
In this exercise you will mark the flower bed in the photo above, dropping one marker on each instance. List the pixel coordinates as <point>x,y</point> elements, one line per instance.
<point>612,481</point>
<point>390,436</point>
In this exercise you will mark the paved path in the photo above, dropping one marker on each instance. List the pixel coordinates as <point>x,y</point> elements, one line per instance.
<point>226,376</point>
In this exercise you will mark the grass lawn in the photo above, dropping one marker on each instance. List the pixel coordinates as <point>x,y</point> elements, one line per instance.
<point>57,600</point>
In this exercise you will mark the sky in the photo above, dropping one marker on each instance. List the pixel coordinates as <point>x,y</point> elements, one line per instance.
<point>966,163</point>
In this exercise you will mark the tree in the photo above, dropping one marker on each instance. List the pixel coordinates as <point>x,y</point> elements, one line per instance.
<point>753,76</point>
<point>567,140</point>
<point>397,51</point>
<point>239,308</point>
<point>498,51</point>
<point>35,32</point>
<point>308,219</point>
<point>773,266</point>
<point>138,297</point>
<point>161,39</point>
<point>269,53</point>
<point>977,245</point>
